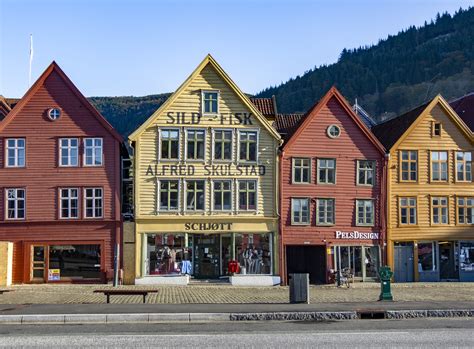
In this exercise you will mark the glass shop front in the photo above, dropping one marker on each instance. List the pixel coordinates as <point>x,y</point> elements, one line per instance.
<point>362,261</point>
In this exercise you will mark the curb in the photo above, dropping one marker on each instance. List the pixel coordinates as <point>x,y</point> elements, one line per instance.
<point>69,319</point>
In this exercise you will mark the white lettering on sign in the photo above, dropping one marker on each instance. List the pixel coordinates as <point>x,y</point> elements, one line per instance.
<point>356,235</point>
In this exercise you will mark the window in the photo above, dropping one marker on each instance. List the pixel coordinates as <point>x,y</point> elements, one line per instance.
<point>222,195</point>
<point>300,211</point>
<point>325,212</point>
<point>463,166</point>
<point>169,144</point>
<point>439,209</point>
<point>427,256</point>
<point>166,254</point>
<point>247,195</point>
<point>93,202</point>
<point>210,102</point>
<point>466,256</point>
<point>439,166</point>
<point>409,165</point>
<point>54,114</point>
<point>407,211</point>
<point>301,170</point>
<point>15,152</point>
<point>195,144</point>
<point>222,145</point>
<point>15,203</point>
<point>195,195</point>
<point>327,171</point>
<point>169,194</point>
<point>69,203</point>
<point>254,252</point>
<point>436,129</point>
<point>466,210</point>
<point>93,151</point>
<point>365,172</point>
<point>333,131</point>
<point>248,145</point>
<point>68,152</point>
<point>365,212</point>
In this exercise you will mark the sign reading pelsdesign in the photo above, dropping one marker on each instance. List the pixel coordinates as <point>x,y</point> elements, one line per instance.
<point>356,235</point>
<point>230,170</point>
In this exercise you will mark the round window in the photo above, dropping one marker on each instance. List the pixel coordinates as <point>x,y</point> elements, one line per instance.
<point>334,131</point>
<point>54,114</point>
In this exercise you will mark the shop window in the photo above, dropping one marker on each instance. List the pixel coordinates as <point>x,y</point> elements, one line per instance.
<point>15,203</point>
<point>439,166</point>
<point>210,102</point>
<point>222,145</point>
<point>365,172</point>
<point>407,211</point>
<point>325,212</point>
<point>361,261</point>
<point>69,152</point>
<point>299,211</point>
<point>248,144</point>
<point>247,195</point>
<point>15,152</point>
<point>195,144</point>
<point>93,151</point>
<point>463,166</point>
<point>253,252</point>
<point>195,195</point>
<point>169,144</point>
<point>409,165</point>
<point>326,171</point>
<point>167,254</point>
<point>466,256</point>
<point>301,170</point>
<point>69,203</point>
<point>94,204</point>
<point>427,258</point>
<point>169,195</point>
<point>222,195</point>
<point>439,210</point>
<point>75,261</point>
<point>365,212</point>
<point>466,210</point>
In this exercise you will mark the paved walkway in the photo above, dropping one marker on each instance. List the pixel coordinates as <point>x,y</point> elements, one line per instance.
<point>223,294</point>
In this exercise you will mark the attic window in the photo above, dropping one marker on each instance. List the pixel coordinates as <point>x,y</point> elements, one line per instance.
<point>54,113</point>
<point>333,131</point>
<point>436,129</point>
<point>210,102</point>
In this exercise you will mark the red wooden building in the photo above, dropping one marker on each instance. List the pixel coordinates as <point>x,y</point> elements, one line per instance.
<point>60,182</point>
<point>332,193</point>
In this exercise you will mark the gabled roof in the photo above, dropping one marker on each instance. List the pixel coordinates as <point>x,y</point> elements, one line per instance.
<point>266,106</point>
<point>286,124</point>
<point>393,131</point>
<point>314,111</point>
<point>54,67</point>
<point>464,107</point>
<point>243,97</point>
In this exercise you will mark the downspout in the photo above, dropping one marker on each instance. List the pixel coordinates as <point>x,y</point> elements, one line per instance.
<point>385,203</point>
<point>280,156</point>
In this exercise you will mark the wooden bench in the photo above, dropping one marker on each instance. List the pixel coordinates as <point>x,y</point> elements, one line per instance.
<point>109,293</point>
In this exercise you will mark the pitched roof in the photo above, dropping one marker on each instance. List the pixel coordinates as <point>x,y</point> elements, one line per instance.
<point>388,132</point>
<point>54,67</point>
<point>286,124</point>
<point>266,105</point>
<point>243,97</point>
<point>464,107</point>
<point>4,107</point>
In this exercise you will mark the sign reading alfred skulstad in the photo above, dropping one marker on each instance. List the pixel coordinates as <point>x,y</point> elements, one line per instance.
<point>224,170</point>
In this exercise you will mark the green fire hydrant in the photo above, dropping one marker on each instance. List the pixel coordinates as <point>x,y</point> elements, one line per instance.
<point>385,275</point>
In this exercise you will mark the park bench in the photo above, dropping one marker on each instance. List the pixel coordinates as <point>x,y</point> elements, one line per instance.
<point>109,293</point>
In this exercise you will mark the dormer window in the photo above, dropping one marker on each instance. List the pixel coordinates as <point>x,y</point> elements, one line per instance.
<point>436,129</point>
<point>210,102</point>
<point>54,114</point>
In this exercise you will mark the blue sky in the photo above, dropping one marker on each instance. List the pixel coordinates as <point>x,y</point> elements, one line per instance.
<point>141,47</point>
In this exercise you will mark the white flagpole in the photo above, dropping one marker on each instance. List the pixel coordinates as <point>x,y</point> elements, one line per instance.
<point>31,59</point>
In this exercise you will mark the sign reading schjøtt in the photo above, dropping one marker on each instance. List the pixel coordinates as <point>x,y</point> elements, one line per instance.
<point>207,226</point>
<point>356,235</point>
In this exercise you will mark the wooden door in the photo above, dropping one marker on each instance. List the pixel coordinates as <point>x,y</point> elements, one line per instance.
<point>38,264</point>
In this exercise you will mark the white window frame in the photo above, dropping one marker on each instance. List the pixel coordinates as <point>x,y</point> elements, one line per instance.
<point>185,189</point>
<point>69,198</point>
<point>202,102</point>
<point>69,149</point>
<point>439,162</point>
<point>7,200</point>
<point>326,223</point>
<point>308,200</point>
<point>93,198</point>
<point>257,146</point>
<point>363,202</point>
<point>440,210</point>
<point>464,162</point>
<point>93,152</point>
<point>16,150</point>
<point>160,138</point>
<point>158,197</point>
<point>409,161</point>
<point>465,208</point>
<point>213,209</point>
<point>318,169</point>
<point>293,168</point>
<point>232,134</point>
<point>374,173</point>
<point>238,195</point>
<point>186,130</point>
<point>408,207</point>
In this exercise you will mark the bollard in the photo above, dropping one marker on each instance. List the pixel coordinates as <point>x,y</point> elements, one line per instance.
<point>385,275</point>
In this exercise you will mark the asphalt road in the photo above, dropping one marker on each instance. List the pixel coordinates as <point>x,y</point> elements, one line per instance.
<point>360,333</point>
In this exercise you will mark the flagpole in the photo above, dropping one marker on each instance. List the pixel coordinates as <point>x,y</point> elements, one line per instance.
<point>31,60</point>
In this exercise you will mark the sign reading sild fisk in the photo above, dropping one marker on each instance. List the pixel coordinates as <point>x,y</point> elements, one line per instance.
<point>355,235</point>
<point>183,118</point>
<point>209,170</point>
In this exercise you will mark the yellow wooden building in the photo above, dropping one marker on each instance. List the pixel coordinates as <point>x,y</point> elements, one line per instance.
<point>206,186</point>
<point>430,232</point>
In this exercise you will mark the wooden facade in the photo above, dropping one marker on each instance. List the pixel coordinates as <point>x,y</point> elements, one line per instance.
<point>311,245</point>
<point>41,177</point>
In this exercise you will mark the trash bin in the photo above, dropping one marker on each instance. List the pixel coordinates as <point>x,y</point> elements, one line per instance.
<point>299,288</point>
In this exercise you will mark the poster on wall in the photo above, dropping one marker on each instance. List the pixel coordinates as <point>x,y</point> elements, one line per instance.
<point>54,274</point>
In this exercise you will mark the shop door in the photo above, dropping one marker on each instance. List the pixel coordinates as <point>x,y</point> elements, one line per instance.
<point>307,259</point>
<point>38,267</point>
<point>404,267</point>
<point>206,256</point>
<point>447,261</point>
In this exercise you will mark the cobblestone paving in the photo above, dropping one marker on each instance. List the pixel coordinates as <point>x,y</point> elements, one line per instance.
<point>77,294</point>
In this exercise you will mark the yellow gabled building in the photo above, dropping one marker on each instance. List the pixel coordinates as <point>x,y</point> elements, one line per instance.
<point>430,232</point>
<point>206,186</point>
